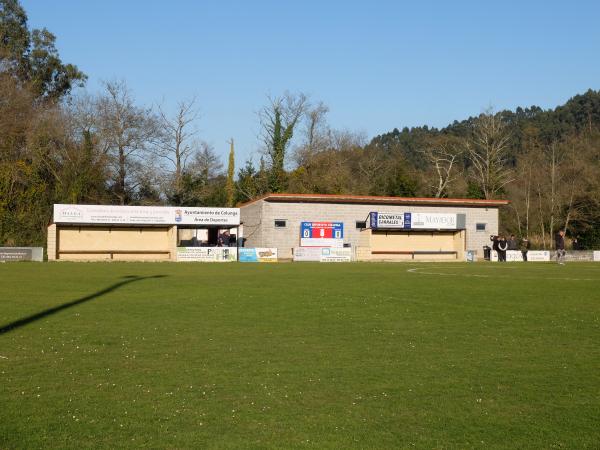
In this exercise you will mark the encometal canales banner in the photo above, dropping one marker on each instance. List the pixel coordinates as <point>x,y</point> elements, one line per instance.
<point>145,215</point>
<point>413,221</point>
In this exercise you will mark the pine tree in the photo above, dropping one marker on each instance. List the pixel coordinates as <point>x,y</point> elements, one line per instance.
<point>230,185</point>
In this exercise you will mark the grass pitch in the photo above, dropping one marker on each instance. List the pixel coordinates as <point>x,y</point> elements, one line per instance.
<point>124,355</point>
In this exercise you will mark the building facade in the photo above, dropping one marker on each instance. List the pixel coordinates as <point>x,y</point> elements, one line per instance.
<point>277,221</point>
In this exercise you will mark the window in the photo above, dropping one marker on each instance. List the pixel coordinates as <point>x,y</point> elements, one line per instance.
<point>279,223</point>
<point>480,226</point>
<point>361,224</point>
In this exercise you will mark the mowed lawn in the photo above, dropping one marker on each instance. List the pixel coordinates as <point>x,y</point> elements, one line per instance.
<point>128,355</point>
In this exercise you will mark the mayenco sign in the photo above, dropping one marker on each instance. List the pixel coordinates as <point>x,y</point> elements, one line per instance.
<point>144,215</point>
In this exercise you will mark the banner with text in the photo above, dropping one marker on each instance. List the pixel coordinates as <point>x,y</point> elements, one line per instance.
<point>258,255</point>
<point>207,254</point>
<point>145,215</point>
<point>413,221</point>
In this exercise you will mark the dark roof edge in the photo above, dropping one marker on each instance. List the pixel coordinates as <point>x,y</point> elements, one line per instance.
<point>378,200</point>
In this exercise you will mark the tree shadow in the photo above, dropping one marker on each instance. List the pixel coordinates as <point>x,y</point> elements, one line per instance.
<point>48,312</point>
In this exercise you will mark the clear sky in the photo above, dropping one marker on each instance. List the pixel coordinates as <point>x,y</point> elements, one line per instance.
<point>376,64</point>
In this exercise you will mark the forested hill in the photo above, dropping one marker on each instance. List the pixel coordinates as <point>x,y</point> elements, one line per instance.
<point>580,113</point>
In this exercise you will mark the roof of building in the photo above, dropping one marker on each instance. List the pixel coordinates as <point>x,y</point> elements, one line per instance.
<point>376,200</point>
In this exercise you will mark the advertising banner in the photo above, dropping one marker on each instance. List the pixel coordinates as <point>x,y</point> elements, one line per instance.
<point>596,255</point>
<point>145,215</point>
<point>322,234</point>
<point>21,254</point>
<point>258,254</point>
<point>207,254</point>
<point>336,255</point>
<point>307,254</point>
<point>413,221</point>
<point>323,254</point>
<point>516,255</point>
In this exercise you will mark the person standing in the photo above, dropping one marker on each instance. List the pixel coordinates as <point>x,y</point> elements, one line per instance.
<point>560,247</point>
<point>524,248</point>
<point>494,240</point>
<point>512,243</point>
<point>502,247</point>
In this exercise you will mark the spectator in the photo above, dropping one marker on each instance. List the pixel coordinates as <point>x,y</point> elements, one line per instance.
<point>560,247</point>
<point>524,248</point>
<point>223,240</point>
<point>512,243</point>
<point>502,247</point>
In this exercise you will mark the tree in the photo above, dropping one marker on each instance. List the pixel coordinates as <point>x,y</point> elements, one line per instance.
<point>175,142</point>
<point>278,121</point>
<point>230,186</point>
<point>32,57</point>
<point>487,150</point>
<point>443,155</point>
<point>203,183</point>
<point>126,130</point>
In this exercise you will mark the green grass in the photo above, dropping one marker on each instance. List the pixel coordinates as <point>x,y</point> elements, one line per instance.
<point>300,355</point>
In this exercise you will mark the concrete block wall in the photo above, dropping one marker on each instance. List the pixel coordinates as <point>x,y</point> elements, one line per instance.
<point>51,243</point>
<point>262,215</point>
<point>252,224</point>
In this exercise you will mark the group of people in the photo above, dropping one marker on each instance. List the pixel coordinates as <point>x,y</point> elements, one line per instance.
<point>501,245</point>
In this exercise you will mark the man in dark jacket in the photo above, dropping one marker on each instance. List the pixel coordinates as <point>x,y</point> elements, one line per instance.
<point>524,248</point>
<point>560,247</point>
<point>512,243</point>
<point>502,247</point>
<point>494,240</point>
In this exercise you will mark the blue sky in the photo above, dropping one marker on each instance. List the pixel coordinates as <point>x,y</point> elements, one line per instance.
<point>377,65</point>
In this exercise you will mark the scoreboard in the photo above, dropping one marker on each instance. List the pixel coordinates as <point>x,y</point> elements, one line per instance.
<point>322,234</point>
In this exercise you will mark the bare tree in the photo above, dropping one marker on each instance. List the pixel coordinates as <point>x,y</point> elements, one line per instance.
<point>278,122</point>
<point>125,130</point>
<point>487,150</point>
<point>175,140</point>
<point>443,155</point>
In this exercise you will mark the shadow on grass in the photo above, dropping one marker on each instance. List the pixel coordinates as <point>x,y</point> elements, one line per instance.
<point>48,312</point>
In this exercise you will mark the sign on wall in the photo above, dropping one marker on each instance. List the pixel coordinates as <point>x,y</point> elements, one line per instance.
<point>596,255</point>
<point>323,254</point>
<point>336,255</point>
<point>258,255</point>
<point>322,234</point>
<point>21,254</point>
<point>413,221</point>
<point>145,215</point>
<point>207,254</point>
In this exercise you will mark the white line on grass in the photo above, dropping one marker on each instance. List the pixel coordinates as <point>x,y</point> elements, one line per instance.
<point>419,271</point>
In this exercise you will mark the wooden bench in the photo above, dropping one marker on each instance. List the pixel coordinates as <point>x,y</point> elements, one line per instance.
<point>413,252</point>
<point>114,252</point>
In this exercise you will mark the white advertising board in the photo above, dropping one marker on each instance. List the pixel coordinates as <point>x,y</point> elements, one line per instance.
<point>597,255</point>
<point>516,255</point>
<point>207,254</point>
<point>323,254</point>
<point>336,254</point>
<point>307,253</point>
<point>433,221</point>
<point>145,215</point>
